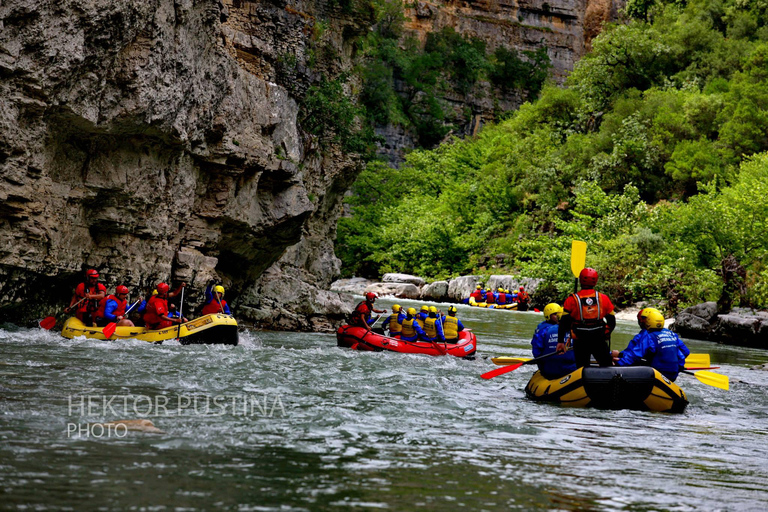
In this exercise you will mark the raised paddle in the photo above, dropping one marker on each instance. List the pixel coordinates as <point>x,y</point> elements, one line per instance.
<point>48,322</point>
<point>578,260</point>
<point>506,369</point>
<point>710,378</point>
<point>109,330</point>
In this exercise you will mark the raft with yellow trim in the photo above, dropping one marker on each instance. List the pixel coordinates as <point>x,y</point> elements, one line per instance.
<point>640,388</point>
<point>474,304</point>
<point>215,329</point>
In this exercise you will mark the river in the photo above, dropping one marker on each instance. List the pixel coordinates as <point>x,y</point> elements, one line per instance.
<point>303,425</point>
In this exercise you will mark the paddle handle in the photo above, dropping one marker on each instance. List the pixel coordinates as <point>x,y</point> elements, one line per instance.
<point>181,314</point>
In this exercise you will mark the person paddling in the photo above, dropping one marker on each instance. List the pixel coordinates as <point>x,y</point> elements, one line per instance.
<point>659,347</point>
<point>588,315</point>
<point>214,301</point>
<point>112,309</point>
<point>394,321</point>
<point>156,314</point>
<point>92,290</point>
<point>361,316</point>
<point>544,341</point>
<point>433,329</point>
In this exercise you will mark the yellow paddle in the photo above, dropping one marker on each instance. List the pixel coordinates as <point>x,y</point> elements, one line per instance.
<point>710,378</point>
<point>578,260</point>
<point>697,360</point>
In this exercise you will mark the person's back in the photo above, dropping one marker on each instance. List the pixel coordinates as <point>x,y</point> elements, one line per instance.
<point>501,297</point>
<point>544,342</point>
<point>662,348</point>
<point>411,329</point>
<point>452,326</point>
<point>433,330</point>
<point>489,298</point>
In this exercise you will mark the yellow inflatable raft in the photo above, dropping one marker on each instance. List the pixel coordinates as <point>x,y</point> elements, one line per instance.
<point>629,387</point>
<point>216,329</point>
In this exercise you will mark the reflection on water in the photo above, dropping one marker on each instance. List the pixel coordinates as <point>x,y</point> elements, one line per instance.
<point>333,429</point>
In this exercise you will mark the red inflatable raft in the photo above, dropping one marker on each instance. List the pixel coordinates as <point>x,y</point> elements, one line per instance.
<point>358,338</point>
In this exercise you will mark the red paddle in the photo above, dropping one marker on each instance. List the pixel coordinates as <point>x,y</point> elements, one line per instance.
<point>48,322</point>
<point>109,330</point>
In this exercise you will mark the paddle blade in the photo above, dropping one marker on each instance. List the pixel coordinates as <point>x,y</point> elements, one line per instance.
<point>48,322</point>
<point>578,256</point>
<point>713,379</point>
<point>501,371</point>
<point>697,360</point>
<point>109,330</point>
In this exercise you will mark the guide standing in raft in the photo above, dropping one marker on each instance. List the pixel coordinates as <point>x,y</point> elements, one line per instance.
<point>361,316</point>
<point>588,316</point>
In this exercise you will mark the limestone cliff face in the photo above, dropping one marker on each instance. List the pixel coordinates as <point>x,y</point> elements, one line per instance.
<point>154,140</point>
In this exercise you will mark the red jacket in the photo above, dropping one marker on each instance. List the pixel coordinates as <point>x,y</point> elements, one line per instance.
<point>156,308</point>
<point>119,310</point>
<point>213,307</point>
<point>91,304</point>
<point>588,306</point>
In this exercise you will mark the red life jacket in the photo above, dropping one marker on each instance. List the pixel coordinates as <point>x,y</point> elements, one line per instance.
<point>213,307</point>
<point>156,308</point>
<point>489,298</point>
<point>478,295</point>
<point>119,310</point>
<point>502,298</point>
<point>361,314</point>
<point>523,297</point>
<point>89,305</point>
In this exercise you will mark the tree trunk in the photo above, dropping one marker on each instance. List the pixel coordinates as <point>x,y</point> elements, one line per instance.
<point>734,277</point>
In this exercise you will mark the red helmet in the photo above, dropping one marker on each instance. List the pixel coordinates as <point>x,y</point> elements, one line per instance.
<point>522,288</point>
<point>162,288</point>
<point>91,273</point>
<point>370,296</point>
<point>588,277</point>
<point>121,289</point>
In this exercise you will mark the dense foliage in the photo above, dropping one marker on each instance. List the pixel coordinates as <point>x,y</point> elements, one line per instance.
<point>653,153</point>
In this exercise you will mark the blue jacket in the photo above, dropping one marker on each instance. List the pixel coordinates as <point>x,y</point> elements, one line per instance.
<point>544,342</point>
<point>109,310</point>
<point>421,316</point>
<point>662,348</point>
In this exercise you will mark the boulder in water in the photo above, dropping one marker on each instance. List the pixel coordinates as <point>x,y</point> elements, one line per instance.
<point>461,287</point>
<point>403,278</point>
<point>437,291</point>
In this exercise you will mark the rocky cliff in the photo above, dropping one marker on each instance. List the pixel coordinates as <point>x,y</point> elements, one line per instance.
<point>160,140</point>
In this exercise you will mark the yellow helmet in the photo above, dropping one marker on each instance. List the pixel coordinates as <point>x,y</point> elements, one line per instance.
<point>154,292</point>
<point>500,290</point>
<point>432,309</point>
<point>396,308</point>
<point>452,310</point>
<point>642,316</point>
<point>479,287</point>
<point>654,319</point>
<point>411,311</point>
<point>219,289</point>
<point>425,309</point>
<point>552,308</point>
<point>487,289</point>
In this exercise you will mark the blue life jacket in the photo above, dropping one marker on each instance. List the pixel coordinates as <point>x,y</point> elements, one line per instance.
<point>544,342</point>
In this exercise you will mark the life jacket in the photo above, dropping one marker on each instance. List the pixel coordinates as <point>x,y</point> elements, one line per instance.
<point>394,325</point>
<point>523,296</point>
<point>451,328</point>
<point>91,305</point>
<point>502,298</point>
<point>213,307</point>
<point>408,330</point>
<point>478,295</point>
<point>589,310</point>
<point>119,310</point>
<point>429,327</point>
<point>489,298</point>
<point>361,314</point>
<point>156,307</point>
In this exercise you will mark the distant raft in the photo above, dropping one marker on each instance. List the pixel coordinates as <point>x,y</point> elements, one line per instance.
<point>358,338</point>
<point>513,305</point>
<point>216,329</point>
<point>632,387</point>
